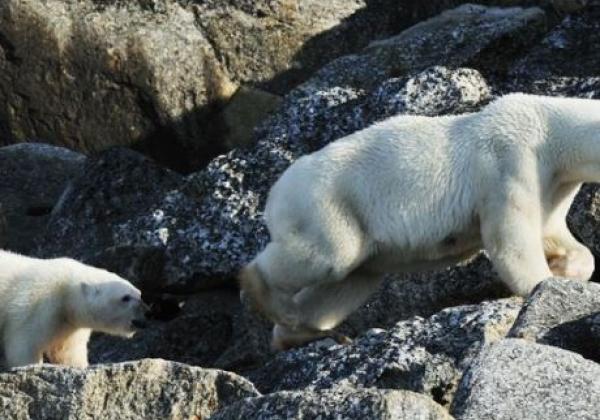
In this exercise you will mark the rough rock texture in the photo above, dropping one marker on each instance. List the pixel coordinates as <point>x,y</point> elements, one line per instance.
<point>148,389</point>
<point>205,227</point>
<point>213,239</point>
<point>562,313</point>
<point>88,75</point>
<point>32,178</point>
<point>247,108</point>
<point>345,96</point>
<point>422,355</point>
<point>335,404</point>
<point>214,329</point>
<point>565,62</point>
<point>114,187</point>
<point>514,379</point>
<point>208,329</point>
<point>584,217</point>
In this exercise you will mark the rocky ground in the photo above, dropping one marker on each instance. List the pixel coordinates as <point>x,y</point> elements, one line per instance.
<point>178,215</point>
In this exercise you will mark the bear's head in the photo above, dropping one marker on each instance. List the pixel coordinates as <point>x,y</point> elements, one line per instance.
<point>112,304</point>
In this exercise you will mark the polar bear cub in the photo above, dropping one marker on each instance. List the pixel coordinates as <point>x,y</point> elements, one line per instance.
<point>50,307</point>
<point>414,193</point>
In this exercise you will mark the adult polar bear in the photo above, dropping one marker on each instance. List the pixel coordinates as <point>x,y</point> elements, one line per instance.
<point>51,307</point>
<point>413,193</point>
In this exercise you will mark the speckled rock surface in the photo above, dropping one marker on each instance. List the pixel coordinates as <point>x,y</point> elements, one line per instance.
<point>207,329</point>
<point>563,313</point>
<point>90,221</point>
<point>422,355</point>
<point>565,62</point>
<point>515,379</point>
<point>32,178</point>
<point>148,389</point>
<point>339,403</point>
<point>346,95</point>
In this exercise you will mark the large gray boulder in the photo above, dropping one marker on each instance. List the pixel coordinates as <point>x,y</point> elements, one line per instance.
<point>562,313</point>
<point>421,355</point>
<point>146,389</point>
<point>346,403</point>
<point>32,178</point>
<point>91,74</point>
<point>515,379</point>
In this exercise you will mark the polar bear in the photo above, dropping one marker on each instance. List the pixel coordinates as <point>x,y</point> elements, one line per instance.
<point>414,193</point>
<point>50,307</point>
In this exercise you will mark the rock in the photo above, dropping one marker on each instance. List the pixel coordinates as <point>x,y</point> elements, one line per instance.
<point>231,230</point>
<point>565,62</point>
<point>347,95</point>
<point>277,44</point>
<point>88,75</point>
<point>246,109</point>
<point>90,223</point>
<point>335,404</point>
<point>562,313</point>
<point>32,178</point>
<point>569,6</point>
<point>584,217</point>
<point>143,389</point>
<point>207,329</point>
<point>514,379</point>
<point>422,355</point>
<point>214,238</point>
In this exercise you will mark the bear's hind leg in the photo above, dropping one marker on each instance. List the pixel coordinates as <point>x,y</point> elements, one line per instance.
<point>322,307</point>
<point>567,257</point>
<point>70,350</point>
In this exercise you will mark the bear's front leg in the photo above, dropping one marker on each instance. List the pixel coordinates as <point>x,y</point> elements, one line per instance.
<point>70,350</point>
<point>512,235</point>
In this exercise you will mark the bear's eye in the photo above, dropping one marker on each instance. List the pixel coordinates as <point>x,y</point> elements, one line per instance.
<point>126,298</point>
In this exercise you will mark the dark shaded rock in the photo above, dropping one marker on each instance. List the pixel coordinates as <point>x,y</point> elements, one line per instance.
<point>207,329</point>
<point>562,313</point>
<point>89,76</point>
<point>89,221</point>
<point>148,389</point>
<point>515,379</point>
<point>422,355</point>
<point>565,62</point>
<point>32,178</point>
<point>584,217</point>
<point>339,403</point>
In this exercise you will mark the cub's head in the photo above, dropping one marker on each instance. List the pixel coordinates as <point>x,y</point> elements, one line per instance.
<point>112,305</point>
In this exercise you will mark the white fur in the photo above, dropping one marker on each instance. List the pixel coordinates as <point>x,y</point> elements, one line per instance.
<point>414,193</point>
<point>51,306</point>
